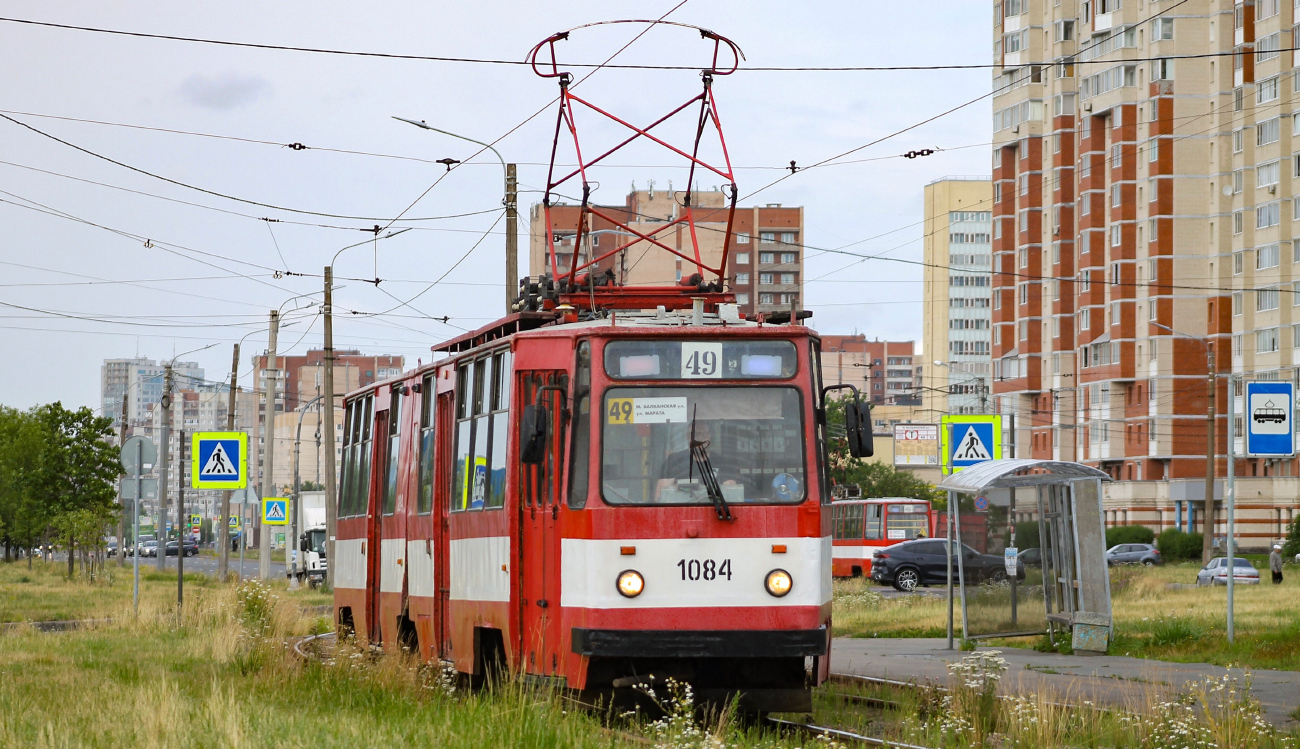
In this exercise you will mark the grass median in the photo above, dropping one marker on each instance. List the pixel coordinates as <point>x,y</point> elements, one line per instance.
<point>1157,615</point>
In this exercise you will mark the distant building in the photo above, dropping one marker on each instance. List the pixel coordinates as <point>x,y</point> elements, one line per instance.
<point>765,268</point>
<point>140,381</point>
<point>958,294</point>
<point>302,376</point>
<point>885,372</point>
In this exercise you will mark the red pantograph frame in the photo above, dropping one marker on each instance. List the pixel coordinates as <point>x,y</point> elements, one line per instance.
<point>708,114</point>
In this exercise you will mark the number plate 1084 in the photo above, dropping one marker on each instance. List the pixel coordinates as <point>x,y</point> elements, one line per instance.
<point>705,569</point>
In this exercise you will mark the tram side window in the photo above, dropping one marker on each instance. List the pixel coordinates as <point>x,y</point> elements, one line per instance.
<point>579,469</point>
<point>424,504</point>
<point>394,438</point>
<point>482,398</point>
<point>361,459</point>
<point>499,405</point>
<point>849,522</point>
<point>874,529</point>
<point>344,502</point>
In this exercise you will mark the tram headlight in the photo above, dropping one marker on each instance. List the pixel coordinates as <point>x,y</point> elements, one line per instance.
<point>778,583</point>
<point>630,583</point>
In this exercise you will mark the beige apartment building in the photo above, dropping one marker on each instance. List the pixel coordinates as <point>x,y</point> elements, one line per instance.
<point>765,269</point>
<point>1144,209</point>
<point>958,294</point>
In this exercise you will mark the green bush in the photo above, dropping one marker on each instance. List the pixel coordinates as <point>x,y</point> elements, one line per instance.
<point>1175,545</point>
<point>1129,534</point>
<point>1027,535</point>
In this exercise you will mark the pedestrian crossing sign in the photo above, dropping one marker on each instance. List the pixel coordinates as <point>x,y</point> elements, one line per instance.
<point>219,460</point>
<point>275,511</point>
<point>970,439</point>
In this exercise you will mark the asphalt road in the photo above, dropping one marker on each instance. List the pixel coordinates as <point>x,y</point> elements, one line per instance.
<point>208,565</point>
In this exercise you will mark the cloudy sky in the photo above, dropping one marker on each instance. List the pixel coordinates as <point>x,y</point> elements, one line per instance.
<point>100,261</point>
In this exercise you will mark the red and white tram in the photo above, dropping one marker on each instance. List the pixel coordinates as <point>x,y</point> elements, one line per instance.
<point>860,526</point>
<point>595,502</point>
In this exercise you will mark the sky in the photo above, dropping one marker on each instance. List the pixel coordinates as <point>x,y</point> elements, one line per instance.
<point>99,261</point>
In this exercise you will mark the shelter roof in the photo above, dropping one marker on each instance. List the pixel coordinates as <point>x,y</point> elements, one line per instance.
<point>998,474</point>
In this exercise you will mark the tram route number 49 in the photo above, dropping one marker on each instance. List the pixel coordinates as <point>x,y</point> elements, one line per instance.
<point>706,569</point>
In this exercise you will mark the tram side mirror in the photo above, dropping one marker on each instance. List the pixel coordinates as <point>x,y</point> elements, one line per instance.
<point>533,425</point>
<point>857,422</point>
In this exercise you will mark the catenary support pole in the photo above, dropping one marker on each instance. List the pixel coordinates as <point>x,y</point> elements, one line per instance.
<point>1207,524</point>
<point>164,467</point>
<point>121,525</point>
<point>512,237</point>
<point>268,449</point>
<point>1230,493</point>
<point>327,428</point>
<point>223,559</point>
<point>182,527</point>
<point>135,535</point>
<point>951,499</point>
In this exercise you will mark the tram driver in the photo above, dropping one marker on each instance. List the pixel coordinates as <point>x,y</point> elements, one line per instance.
<point>680,467</point>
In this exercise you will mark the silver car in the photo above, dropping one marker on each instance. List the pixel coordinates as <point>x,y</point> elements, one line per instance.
<point>1146,554</point>
<point>1216,572</point>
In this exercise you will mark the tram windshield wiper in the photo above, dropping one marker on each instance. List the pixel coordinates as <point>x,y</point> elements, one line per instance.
<point>700,459</point>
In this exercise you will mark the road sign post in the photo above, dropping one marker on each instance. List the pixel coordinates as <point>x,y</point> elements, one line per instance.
<point>137,453</point>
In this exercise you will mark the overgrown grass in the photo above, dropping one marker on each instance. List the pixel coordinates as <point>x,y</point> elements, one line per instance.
<point>1156,616</point>
<point>44,594</point>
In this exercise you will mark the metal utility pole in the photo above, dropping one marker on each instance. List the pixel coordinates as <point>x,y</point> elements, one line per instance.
<point>1207,541</point>
<point>268,450</point>
<point>121,525</point>
<point>512,237</point>
<point>181,526</point>
<point>1230,491</point>
<point>223,537</point>
<point>164,464</point>
<point>327,427</point>
<point>296,524</point>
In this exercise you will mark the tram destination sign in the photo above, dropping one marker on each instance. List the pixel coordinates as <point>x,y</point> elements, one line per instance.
<point>916,445</point>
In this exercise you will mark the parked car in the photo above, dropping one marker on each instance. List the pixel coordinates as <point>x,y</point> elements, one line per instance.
<point>1216,572</point>
<point>1031,557</point>
<point>1146,554</point>
<point>191,548</point>
<point>924,562</point>
<point>148,548</point>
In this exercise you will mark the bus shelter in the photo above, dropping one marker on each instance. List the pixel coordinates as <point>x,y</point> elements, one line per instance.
<point>1033,551</point>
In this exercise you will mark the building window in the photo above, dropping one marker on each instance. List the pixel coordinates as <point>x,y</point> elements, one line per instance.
<point>1162,70</point>
<point>1266,299</point>
<point>1267,9</point>
<point>1084,320</point>
<point>1153,150</point>
<point>1266,341</point>
<point>1266,174</point>
<point>1238,180</point>
<point>1115,235</point>
<point>1266,48</point>
<point>1269,214</point>
<point>787,279</point>
<point>1115,199</point>
<point>788,237</point>
<point>1237,140</point>
<point>767,258</point>
<point>742,278</point>
<point>742,237</point>
<point>1238,262</point>
<point>1085,204</point>
<point>1164,29</point>
<point>1268,131</point>
<point>789,258</point>
<point>742,258</point>
<point>1236,222</point>
<point>1237,306</point>
<point>1238,99</point>
<point>1266,91</point>
<point>765,279</point>
<point>742,298</point>
<point>767,237</point>
<point>765,298</point>
<point>1267,256</point>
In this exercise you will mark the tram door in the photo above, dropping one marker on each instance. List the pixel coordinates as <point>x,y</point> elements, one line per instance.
<point>374,519</point>
<point>392,549</point>
<point>539,492</point>
<point>442,551</point>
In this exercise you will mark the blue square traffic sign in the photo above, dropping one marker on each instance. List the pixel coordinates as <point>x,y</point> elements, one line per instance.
<point>971,443</point>
<point>220,460</point>
<point>1270,411</point>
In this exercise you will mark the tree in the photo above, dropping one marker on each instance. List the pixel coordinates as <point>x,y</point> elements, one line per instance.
<point>1291,546</point>
<point>22,448</point>
<point>876,479</point>
<point>79,465</point>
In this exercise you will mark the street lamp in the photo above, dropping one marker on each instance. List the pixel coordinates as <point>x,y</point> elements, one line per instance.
<point>510,201</point>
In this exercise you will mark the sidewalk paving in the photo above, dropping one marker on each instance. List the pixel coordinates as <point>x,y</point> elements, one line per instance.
<point>1113,680</point>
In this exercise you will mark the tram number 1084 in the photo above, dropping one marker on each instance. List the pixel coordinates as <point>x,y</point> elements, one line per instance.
<point>704,569</point>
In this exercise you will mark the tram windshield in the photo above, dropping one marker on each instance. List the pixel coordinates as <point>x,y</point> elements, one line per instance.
<point>753,442</point>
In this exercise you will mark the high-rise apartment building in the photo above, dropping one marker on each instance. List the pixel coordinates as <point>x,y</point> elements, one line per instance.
<point>1143,211</point>
<point>958,296</point>
<point>140,381</point>
<point>884,372</point>
<point>302,376</point>
<point>765,268</point>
